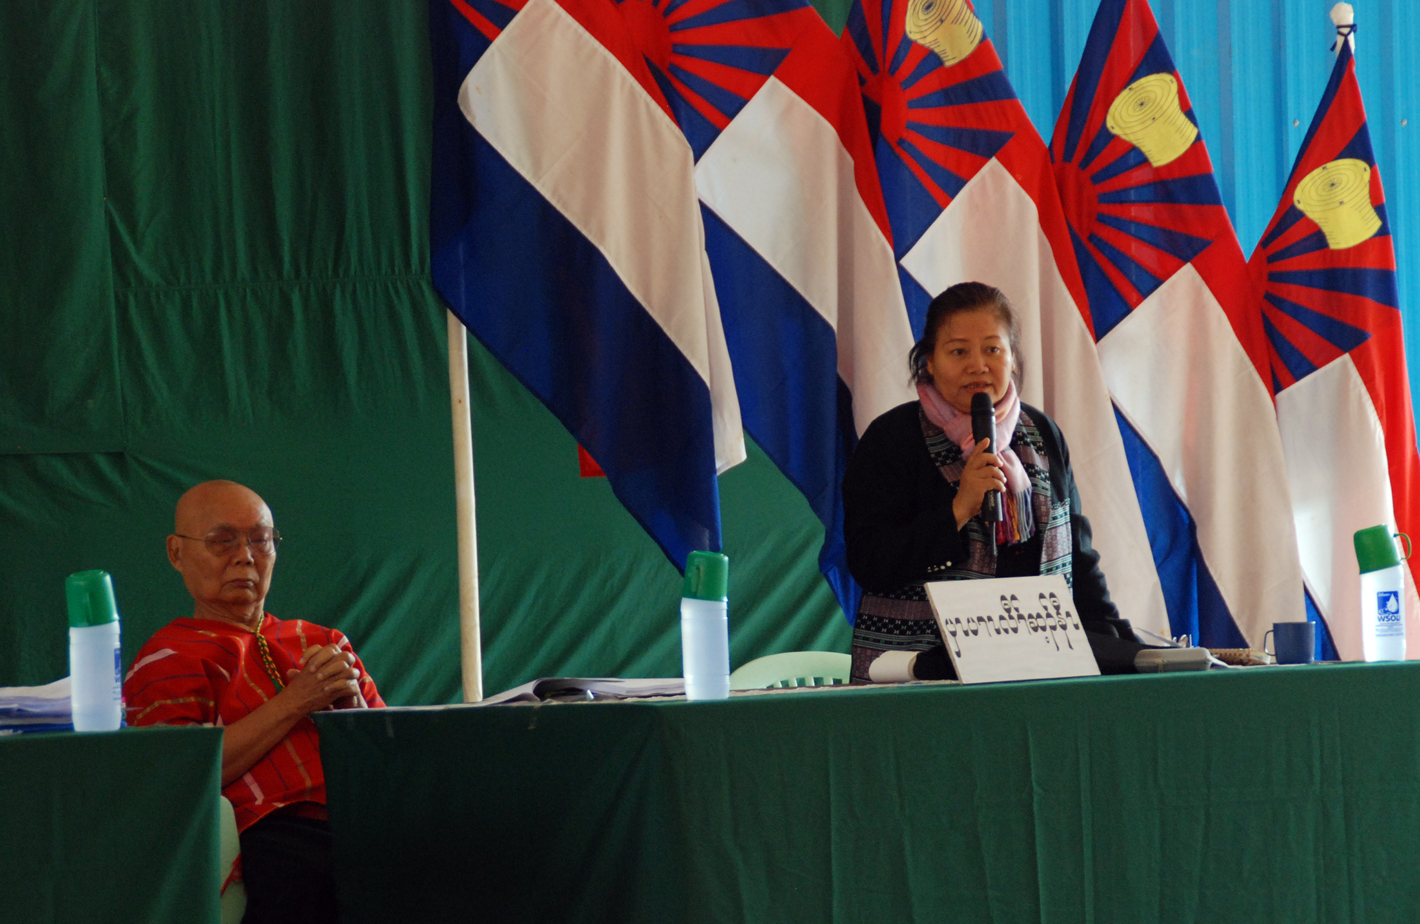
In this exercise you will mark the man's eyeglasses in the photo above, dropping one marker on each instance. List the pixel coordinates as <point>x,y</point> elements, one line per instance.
<point>262,541</point>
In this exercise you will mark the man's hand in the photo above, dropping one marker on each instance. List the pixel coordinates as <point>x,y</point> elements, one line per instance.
<point>327,679</point>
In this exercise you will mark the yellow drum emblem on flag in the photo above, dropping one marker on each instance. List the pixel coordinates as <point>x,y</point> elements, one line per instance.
<point>948,27</point>
<point>1337,196</point>
<point>1148,115</point>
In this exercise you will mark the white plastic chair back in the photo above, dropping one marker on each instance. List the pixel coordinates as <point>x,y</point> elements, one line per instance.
<point>793,669</point>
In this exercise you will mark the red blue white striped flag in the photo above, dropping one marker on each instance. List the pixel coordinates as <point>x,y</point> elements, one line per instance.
<point>565,233</point>
<point>1173,313</point>
<point>794,229</point>
<point>1325,269</point>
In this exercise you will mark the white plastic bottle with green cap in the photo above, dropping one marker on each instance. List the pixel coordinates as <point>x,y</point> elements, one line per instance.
<point>705,626</point>
<point>95,654</point>
<point>1382,594</point>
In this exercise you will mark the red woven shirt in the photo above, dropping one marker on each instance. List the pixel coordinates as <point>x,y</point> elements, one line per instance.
<point>206,672</point>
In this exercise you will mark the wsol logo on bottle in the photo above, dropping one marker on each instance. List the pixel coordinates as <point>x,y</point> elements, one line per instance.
<point>1388,606</point>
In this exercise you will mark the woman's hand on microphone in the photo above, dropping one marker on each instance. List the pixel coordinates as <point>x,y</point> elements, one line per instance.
<point>983,473</point>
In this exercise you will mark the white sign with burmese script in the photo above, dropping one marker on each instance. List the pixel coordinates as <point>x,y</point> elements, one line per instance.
<point>1011,629</point>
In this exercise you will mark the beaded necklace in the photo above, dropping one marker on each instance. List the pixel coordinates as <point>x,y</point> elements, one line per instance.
<point>266,661</point>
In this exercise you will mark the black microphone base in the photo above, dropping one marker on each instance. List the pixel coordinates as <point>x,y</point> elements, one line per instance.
<point>991,507</point>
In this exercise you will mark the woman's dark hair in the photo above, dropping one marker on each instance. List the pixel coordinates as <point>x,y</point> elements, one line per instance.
<point>961,298</point>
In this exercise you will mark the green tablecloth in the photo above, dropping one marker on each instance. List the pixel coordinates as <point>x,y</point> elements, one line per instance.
<point>110,827</point>
<point>1277,794</point>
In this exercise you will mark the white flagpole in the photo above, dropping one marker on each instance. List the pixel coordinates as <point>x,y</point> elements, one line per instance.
<point>470,637</point>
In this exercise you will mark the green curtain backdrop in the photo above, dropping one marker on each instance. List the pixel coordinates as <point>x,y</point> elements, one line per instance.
<point>214,264</point>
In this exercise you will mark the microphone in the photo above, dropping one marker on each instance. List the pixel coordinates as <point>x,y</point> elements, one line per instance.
<point>983,427</point>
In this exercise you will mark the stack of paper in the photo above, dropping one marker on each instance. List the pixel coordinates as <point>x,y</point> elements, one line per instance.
<point>572,689</point>
<point>35,709</point>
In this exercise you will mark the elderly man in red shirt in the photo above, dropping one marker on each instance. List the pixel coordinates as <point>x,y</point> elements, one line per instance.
<point>234,665</point>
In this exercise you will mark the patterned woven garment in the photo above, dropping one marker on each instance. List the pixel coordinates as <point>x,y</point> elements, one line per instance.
<point>902,620</point>
<point>205,672</point>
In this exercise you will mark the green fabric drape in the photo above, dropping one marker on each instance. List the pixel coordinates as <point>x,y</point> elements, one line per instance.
<point>56,293</point>
<point>113,826</point>
<point>213,263</point>
<point>1284,795</point>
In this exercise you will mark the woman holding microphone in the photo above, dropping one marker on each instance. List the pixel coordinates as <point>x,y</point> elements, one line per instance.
<point>914,490</point>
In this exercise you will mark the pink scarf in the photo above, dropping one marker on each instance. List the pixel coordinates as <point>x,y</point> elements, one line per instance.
<point>957,426</point>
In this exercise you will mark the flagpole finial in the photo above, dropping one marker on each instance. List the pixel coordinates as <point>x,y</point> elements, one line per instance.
<point>1344,16</point>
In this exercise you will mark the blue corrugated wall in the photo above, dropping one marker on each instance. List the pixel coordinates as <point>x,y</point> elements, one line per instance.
<point>1255,70</point>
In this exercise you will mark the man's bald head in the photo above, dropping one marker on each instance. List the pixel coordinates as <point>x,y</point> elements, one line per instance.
<point>201,503</point>
<point>227,577</point>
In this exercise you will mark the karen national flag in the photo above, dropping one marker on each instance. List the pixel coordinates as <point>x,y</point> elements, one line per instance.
<point>970,196</point>
<point>795,230</point>
<point>566,234</point>
<point>1173,313</point>
<point>1325,269</point>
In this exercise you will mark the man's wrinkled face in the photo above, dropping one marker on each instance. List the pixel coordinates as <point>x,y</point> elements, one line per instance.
<point>229,515</point>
